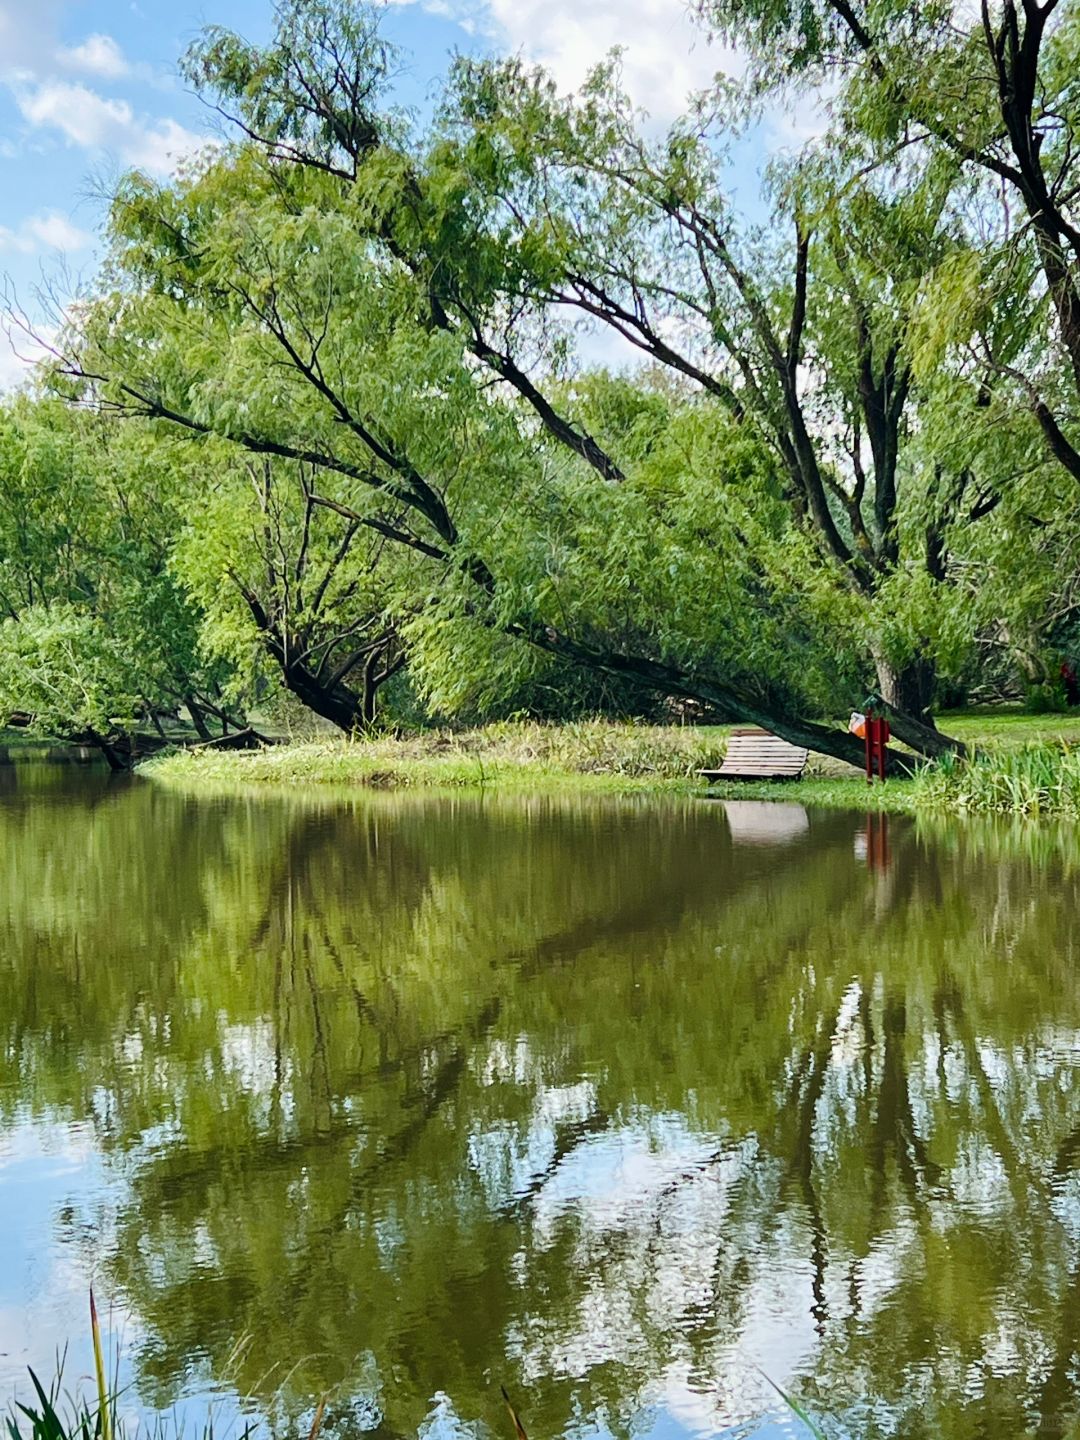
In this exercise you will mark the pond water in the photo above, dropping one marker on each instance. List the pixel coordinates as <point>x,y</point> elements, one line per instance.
<point>623,1105</point>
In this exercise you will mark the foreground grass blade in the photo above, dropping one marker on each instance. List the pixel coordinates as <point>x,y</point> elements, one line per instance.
<point>316,1424</point>
<point>519,1428</point>
<point>47,1424</point>
<point>798,1410</point>
<point>105,1417</point>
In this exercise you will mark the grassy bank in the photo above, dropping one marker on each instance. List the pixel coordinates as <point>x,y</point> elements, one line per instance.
<point>1027,765</point>
<point>590,754</point>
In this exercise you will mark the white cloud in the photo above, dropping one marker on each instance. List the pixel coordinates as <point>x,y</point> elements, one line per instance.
<point>161,147</point>
<point>97,55</point>
<point>83,116</point>
<point>667,55</point>
<point>93,122</point>
<point>49,231</point>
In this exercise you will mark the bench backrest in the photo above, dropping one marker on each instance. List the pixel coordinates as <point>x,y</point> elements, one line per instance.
<point>756,752</point>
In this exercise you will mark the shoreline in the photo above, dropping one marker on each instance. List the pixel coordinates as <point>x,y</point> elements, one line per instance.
<point>1027,766</point>
<point>590,759</point>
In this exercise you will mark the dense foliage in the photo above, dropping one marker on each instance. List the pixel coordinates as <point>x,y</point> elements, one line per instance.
<point>328,435</point>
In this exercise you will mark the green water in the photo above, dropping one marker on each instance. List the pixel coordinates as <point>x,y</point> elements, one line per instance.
<point>619,1104</point>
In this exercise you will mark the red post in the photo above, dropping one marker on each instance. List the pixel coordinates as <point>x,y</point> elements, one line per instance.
<point>877,738</point>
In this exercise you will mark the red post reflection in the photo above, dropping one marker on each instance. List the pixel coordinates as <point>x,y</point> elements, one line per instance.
<point>878,853</point>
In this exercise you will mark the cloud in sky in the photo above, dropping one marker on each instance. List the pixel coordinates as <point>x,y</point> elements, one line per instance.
<point>97,55</point>
<point>27,32</point>
<point>38,71</point>
<point>48,231</point>
<point>667,55</point>
<point>94,122</point>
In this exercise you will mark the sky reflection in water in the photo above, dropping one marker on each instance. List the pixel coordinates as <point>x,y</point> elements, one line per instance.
<point>624,1105</point>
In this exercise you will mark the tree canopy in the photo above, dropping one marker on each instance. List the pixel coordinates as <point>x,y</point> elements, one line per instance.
<point>844,461</point>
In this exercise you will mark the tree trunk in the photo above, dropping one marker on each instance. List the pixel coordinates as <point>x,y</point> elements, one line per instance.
<point>194,709</point>
<point>118,758</point>
<point>350,710</point>
<point>369,698</point>
<point>671,680</point>
<point>375,678</point>
<point>1026,651</point>
<point>338,704</point>
<point>908,688</point>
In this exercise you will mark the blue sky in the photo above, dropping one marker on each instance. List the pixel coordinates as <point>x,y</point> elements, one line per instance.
<point>88,88</point>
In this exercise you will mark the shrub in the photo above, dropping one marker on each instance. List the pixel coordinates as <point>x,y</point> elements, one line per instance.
<point>1046,699</point>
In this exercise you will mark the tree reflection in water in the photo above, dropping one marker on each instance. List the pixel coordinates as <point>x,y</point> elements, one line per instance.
<point>610,1102</point>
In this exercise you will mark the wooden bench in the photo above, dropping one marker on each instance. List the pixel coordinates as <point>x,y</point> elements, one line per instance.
<point>757,755</point>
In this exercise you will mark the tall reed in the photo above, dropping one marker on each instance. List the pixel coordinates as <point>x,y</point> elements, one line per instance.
<point>1042,779</point>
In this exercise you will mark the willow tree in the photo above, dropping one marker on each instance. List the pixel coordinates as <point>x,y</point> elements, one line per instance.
<point>801,334</point>
<point>520,207</point>
<point>278,571</point>
<point>97,637</point>
<point>992,91</point>
<point>338,294</point>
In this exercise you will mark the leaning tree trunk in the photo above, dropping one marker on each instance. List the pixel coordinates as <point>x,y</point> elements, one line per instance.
<point>327,695</point>
<point>671,680</point>
<point>121,751</point>
<point>335,699</point>
<point>116,755</point>
<point>337,703</point>
<point>198,719</point>
<point>908,688</point>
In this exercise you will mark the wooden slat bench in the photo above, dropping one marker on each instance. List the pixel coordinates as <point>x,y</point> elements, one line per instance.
<point>757,755</point>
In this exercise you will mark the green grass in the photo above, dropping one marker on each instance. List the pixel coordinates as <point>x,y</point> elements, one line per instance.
<point>1025,766</point>
<point>1009,725</point>
<point>53,1414</point>
<point>1022,765</point>
<point>590,754</point>
<point>57,1412</point>
<point>827,792</point>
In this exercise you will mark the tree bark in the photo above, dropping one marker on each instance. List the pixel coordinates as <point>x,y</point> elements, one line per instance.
<point>674,681</point>
<point>369,695</point>
<point>908,688</point>
<point>115,755</point>
<point>194,709</point>
<point>338,704</point>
